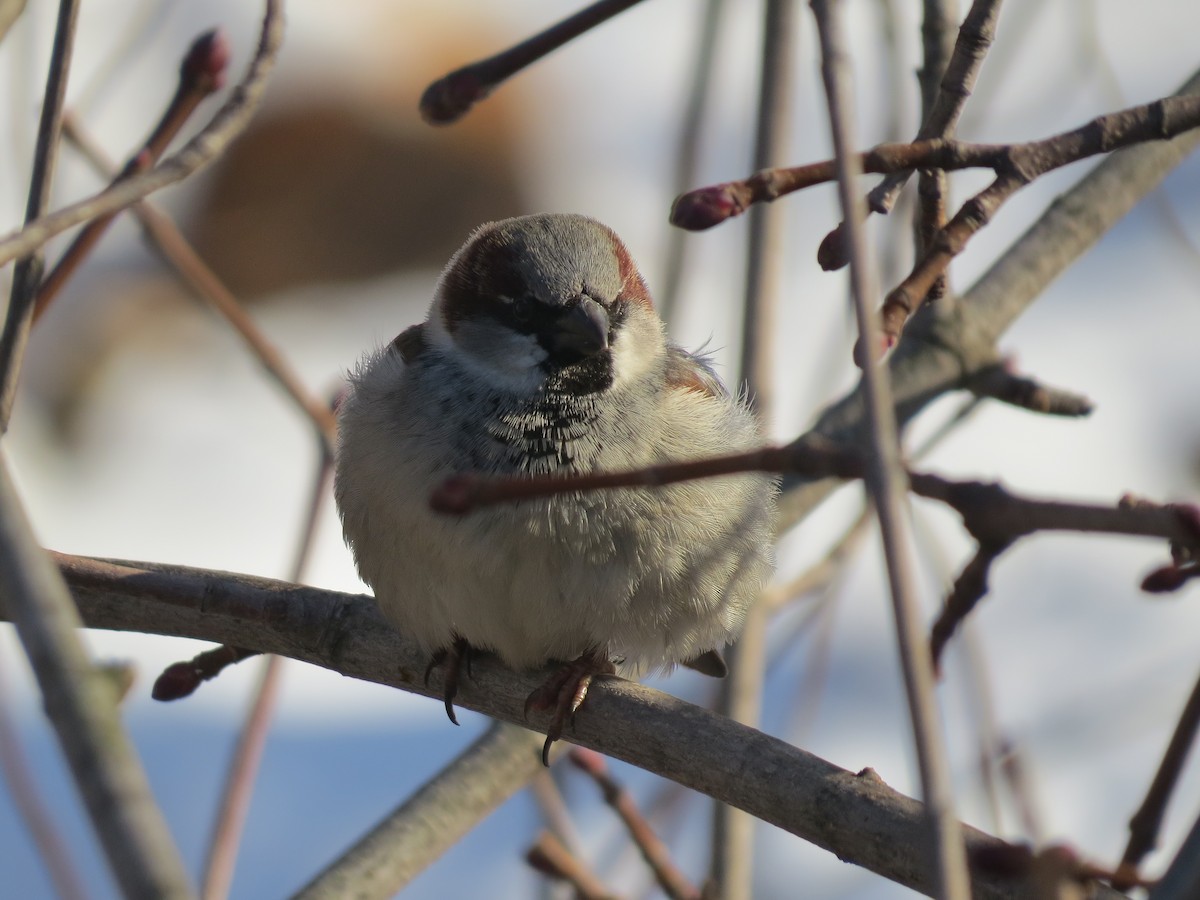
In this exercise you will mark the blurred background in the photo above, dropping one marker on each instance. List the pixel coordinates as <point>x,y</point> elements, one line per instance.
<point>144,430</point>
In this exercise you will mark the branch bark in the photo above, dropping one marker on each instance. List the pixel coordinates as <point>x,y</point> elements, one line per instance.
<point>855,816</point>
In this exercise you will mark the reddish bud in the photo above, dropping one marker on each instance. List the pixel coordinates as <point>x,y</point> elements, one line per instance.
<point>1164,580</point>
<point>177,681</point>
<point>448,99</point>
<point>703,208</point>
<point>206,61</point>
<point>832,255</point>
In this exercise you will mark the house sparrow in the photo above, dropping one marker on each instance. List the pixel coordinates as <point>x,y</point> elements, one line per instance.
<point>542,354</point>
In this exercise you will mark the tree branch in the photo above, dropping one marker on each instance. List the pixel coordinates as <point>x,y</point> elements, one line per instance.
<point>436,817</point>
<point>855,816</point>
<point>228,122</point>
<point>81,704</point>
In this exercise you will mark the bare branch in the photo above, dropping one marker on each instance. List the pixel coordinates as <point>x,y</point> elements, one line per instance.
<point>855,816</point>
<point>885,481</point>
<point>673,882</point>
<point>741,693</point>
<point>18,317</point>
<point>551,857</point>
<point>449,98</point>
<point>197,275</point>
<point>1147,821</point>
<point>1161,120</point>
<point>201,74</point>
<point>968,590</point>
<point>81,703</point>
<point>999,382</point>
<point>230,119</point>
<point>435,818</point>
<point>38,819</point>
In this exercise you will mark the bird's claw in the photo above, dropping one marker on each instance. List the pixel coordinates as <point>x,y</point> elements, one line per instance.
<point>564,692</point>
<point>451,660</point>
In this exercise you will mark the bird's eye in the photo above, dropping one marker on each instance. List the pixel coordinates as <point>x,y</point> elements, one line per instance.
<point>524,309</point>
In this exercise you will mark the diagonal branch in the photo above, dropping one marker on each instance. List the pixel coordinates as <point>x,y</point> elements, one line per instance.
<point>436,817</point>
<point>202,149</point>
<point>450,97</point>
<point>18,317</point>
<point>81,704</point>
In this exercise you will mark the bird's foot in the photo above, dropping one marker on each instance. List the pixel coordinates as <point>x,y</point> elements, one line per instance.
<point>452,660</point>
<point>564,692</point>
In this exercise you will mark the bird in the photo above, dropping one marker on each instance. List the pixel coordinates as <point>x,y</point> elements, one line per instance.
<point>542,355</point>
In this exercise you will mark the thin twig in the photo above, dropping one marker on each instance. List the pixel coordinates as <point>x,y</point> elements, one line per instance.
<point>226,833</point>
<point>435,818</point>
<point>450,97</point>
<point>550,856</point>
<point>39,822</point>
<point>732,870</point>
<point>18,318</point>
<point>942,351</point>
<point>81,704</point>
<point>673,882</point>
<point>1181,881</point>
<point>202,149</point>
<point>940,113</point>
<point>859,818</point>
<point>1147,821</point>
<point>191,269</point>
<point>554,810</point>
<point>885,480</point>
<point>968,590</point>
<point>687,152</point>
<point>999,382</point>
<point>938,43</point>
<point>247,756</point>
<point>989,511</point>
<point>201,74</point>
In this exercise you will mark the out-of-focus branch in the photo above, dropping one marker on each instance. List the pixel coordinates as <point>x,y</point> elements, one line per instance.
<point>81,704</point>
<point>941,352</point>
<point>1147,821</point>
<point>39,820</point>
<point>201,74</point>
<point>18,317</point>
<point>435,818</point>
<point>247,757</point>
<point>741,692</point>
<point>450,97</point>
<point>202,149</point>
<point>197,275</point>
<point>855,816</point>
<point>673,882</point>
<point>687,150</point>
<point>551,857</point>
<point>884,478</point>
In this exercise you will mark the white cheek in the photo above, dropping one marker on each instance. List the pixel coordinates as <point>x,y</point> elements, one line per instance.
<point>637,347</point>
<point>503,358</point>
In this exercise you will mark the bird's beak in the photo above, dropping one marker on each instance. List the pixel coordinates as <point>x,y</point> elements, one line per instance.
<point>581,331</point>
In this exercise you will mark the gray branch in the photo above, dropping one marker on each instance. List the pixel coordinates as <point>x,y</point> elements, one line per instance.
<point>857,817</point>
